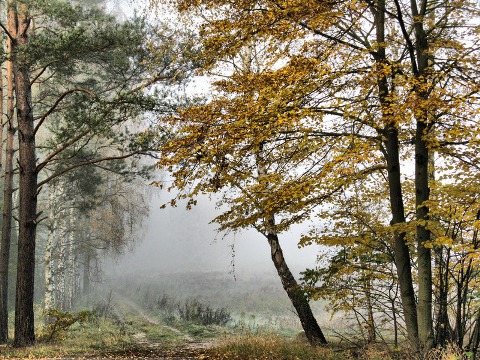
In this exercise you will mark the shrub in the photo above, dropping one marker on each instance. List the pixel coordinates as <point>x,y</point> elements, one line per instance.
<point>58,322</point>
<point>196,312</point>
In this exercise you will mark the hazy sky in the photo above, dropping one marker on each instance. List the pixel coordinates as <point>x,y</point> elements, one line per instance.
<point>178,240</point>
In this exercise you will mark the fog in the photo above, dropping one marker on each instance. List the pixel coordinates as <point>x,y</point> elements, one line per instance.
<point>176,240</point>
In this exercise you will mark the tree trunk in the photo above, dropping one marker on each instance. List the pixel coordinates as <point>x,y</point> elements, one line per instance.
<point>392,157</point>
<point>24,317</point>
<point>86,272</point>
<point>400,248</point>
<point>372,338</point>
<point>295,293</point>
<point>424,308</point>
<point>70,269</point>
<point>61,261</point>
<point>7,196</point>
<point>442,333</point>
<point>48,259</point>
<point>422,191</point>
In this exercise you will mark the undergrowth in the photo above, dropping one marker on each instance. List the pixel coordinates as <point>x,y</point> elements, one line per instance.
<point>270,347</point>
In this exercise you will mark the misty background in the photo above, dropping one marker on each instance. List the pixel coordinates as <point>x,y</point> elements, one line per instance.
<point>176,240</point>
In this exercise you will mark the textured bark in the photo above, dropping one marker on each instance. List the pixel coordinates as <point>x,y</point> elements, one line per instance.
<point>295,293</point>
<point>392,157</point>
<point>24,317</point>
<point>61,262</point>
<point>48,258</point>
<point>422,191</point>
<point>70,269</point>
<point>7,195</point>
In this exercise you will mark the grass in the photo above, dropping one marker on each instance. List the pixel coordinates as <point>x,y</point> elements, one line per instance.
<point>109,338</point>
<point>99,337</point>
<point>131,328</point>
<point>271,347</point>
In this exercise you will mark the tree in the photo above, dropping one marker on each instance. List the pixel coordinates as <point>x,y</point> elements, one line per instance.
<point>60,58</point>
<point>7,187</point>
<point>376,81</point>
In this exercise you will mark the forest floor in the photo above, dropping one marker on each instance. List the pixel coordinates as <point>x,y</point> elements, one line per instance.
<point>135,325</point>
<point>129,332</point>
<point>132,331</point>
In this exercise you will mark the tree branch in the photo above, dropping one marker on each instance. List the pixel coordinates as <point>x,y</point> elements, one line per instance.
<point>59,100</point>
<point>59,150</point>
<point>7,32</point>
<point>85,163</point>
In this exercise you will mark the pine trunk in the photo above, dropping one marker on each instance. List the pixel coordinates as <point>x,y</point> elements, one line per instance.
<point>24,317</point>
<point>7,197</point>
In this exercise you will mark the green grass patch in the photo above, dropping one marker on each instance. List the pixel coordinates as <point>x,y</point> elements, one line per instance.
<point>96,338</point>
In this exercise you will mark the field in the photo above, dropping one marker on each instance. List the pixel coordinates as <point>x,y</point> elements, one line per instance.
<point>191,316</point>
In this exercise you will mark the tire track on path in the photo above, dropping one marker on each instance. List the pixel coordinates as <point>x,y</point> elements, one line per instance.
<point>189,343</point>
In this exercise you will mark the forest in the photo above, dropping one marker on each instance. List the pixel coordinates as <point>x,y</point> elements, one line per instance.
<point>354,121</point>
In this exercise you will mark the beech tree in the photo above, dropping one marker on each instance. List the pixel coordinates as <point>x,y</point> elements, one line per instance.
<point>367,86</point>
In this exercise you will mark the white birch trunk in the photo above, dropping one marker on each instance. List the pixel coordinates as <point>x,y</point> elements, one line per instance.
<point>61,261</point>
<point>70,263</point>
<point>48,259</point>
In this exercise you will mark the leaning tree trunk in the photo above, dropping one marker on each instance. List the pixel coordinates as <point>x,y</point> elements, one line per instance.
<point>27,224</point>
<point>295,293</point>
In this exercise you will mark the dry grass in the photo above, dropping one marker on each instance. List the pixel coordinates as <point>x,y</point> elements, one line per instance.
<point>270,347</point>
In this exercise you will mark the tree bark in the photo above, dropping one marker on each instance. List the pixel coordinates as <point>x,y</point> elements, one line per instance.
<point>48,258</point>
<point>86,272</point>
<point>392,157</point>
<point>7,192</point>
<point>422,190</point>
<point>70,269</point>
<point>400,248</point>
<point>24,316</point>
<point>295,293</point>
<point>61,260</point>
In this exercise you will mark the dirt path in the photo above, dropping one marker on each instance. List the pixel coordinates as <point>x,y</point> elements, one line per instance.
<point>189,344</point>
